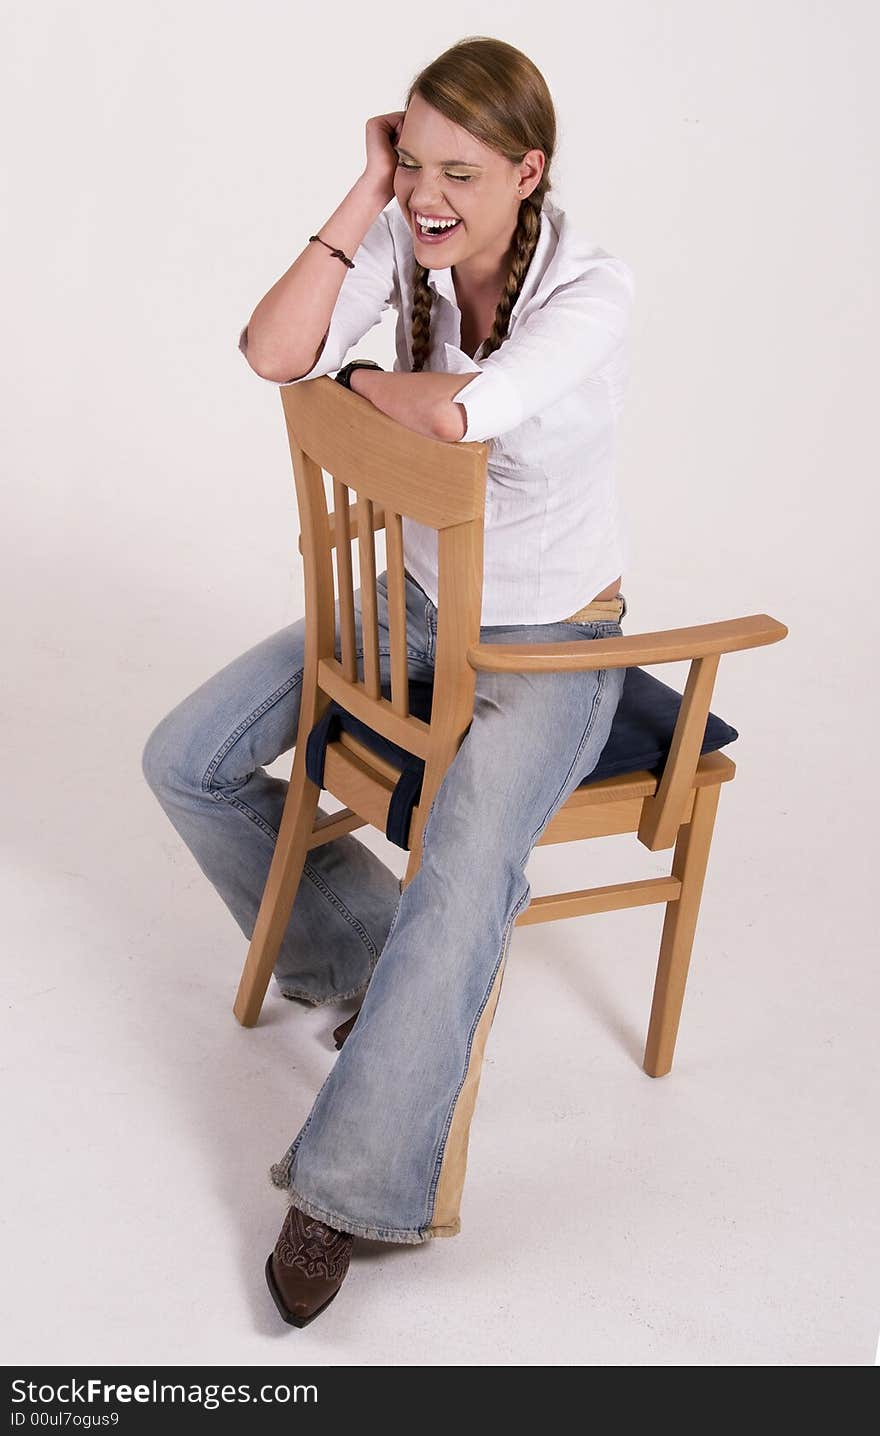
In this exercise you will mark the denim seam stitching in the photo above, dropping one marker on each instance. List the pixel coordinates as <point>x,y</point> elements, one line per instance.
<point>320,883</point>
<point>242,728</point>
<point>310,873</point>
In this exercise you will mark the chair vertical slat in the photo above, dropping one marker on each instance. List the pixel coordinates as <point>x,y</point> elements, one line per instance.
<point>397,613</point>
<point>369,616</point>
<point>342,531</point>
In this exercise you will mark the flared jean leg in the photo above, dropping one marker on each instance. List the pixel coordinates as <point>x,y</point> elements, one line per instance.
<point>383,1151</point>
<point>205,762</point>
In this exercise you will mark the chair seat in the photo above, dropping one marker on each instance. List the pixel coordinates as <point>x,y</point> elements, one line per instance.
<point>640,739</point>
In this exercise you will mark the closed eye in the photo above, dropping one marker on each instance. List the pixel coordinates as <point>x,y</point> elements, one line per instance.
<point>462,178</point>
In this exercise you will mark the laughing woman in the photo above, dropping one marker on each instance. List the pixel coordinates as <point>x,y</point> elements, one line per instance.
<point>510,329</point>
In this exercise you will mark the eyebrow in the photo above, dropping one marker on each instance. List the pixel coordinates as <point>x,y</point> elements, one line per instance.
<point>462,164</point>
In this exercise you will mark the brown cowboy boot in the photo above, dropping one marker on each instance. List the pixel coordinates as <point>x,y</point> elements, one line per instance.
<point>342,1031</point>
<point>307,1267</point>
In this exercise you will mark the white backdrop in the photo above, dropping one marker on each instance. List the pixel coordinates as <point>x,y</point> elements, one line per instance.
<point>164,164</point>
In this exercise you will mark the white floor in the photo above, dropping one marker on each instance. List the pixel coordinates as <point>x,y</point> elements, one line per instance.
<point>725,1214</point>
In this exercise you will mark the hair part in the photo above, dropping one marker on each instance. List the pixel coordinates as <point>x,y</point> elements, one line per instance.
<point>497,94</point>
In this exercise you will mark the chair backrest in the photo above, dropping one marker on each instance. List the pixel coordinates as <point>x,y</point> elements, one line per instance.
<point>393,473</point>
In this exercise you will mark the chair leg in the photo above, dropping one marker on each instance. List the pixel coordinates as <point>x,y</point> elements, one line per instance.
<point>689,866</point>
<point>285,872</point>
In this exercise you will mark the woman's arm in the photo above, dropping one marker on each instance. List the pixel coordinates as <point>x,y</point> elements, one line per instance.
<point>283,335</point>
<point>423,401</point>
<point>563,344</point>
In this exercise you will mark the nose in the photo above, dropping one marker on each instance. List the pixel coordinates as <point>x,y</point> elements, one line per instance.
<point>434,204</point>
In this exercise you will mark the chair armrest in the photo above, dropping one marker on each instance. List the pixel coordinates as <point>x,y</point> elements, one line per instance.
<point>703,644</point>
<point>670,645</point>
<point>378,523</point>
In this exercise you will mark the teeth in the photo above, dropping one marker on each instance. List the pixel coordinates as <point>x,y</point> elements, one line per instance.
<point>434,225</point>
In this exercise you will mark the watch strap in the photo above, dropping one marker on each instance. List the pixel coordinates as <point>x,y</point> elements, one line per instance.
<point>344,375</point>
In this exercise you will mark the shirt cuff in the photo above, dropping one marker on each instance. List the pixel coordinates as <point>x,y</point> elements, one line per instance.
<point>492,406</point>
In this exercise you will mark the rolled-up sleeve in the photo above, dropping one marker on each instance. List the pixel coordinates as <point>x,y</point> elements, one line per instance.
<point>571,337</point>
<point>367,291</point>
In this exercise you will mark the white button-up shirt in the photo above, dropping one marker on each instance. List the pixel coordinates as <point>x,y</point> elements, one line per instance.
<point>548,400</point>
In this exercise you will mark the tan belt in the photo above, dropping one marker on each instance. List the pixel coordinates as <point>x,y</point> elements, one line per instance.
<point>600,608</point>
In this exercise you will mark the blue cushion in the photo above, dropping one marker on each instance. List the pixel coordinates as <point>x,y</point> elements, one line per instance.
<point>640,739</point>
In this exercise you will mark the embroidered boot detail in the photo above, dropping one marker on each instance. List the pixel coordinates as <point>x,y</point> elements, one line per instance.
<point>312,1247</point>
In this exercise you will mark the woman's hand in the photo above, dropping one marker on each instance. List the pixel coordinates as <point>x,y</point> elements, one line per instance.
<point>382,132</point>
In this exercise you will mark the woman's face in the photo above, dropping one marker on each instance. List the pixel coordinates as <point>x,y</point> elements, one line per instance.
<point>444,172</point>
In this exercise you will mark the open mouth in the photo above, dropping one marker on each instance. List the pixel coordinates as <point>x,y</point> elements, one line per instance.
<point>435,233</point>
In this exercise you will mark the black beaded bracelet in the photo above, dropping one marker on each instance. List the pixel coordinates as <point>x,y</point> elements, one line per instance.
<point>338,252</point>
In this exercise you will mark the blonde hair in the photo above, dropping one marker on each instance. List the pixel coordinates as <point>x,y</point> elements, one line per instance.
<point>497,94</point>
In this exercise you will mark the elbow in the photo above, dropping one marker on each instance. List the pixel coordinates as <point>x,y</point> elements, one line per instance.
<point>451,422</point>
<point>296,365</point>
<point>294,370</point>
<point>278,378</point>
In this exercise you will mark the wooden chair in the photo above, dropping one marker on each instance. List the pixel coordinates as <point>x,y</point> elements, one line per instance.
<point>383,751</point>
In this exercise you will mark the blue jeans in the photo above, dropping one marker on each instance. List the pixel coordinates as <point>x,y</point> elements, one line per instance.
<point>383,1151</point>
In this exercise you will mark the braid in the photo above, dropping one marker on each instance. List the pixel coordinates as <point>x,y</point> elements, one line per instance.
<point>525,240</point>
<point>423,297</point>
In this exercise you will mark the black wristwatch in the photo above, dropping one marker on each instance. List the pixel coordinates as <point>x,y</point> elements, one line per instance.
<point>345,373</point>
